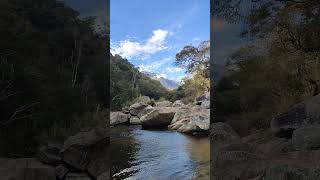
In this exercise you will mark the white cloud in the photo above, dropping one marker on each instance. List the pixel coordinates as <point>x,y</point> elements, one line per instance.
<point>162,75</point>
<point>174,69</point>
<point>130,48</point>
<point>154,65</point>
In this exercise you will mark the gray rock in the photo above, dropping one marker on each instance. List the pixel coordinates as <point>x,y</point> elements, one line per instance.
<point>205,97</point>
<point>104,176</point>
<point>205,104</point>
<point>190,119</point>
<point>145,111</point>
<point>134,120</point>
<point>163,104</point>
<point>125,110</point>
<point>50,153</point>
<point>88,150</point>
<point>299,115</point>
<point>25,169</point>
<point>222,133</point>
<point>118,118</point>
<point>160,116</point>
<point>136,108</point>
<point>77,176</point>
<point>306,138</point>
<point>235,161</point>
<point>61,171</point>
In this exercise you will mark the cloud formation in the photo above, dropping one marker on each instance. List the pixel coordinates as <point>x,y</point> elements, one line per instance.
<point>174,69</point>
<point>130,48</point>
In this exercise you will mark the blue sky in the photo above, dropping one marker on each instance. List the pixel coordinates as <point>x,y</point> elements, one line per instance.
<point>149,33</point>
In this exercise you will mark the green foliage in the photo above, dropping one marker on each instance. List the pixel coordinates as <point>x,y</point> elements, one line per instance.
<point>53,68</point>
<point>128,85</point>
<point>267,78</point>
<point>195,59</point>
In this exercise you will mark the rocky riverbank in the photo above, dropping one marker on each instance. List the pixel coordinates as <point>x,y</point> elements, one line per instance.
<point>191,118</point>
<point>290,149</point>
<point>84,156</point>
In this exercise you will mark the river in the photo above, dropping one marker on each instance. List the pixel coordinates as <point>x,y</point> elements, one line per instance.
<point>158,155</point>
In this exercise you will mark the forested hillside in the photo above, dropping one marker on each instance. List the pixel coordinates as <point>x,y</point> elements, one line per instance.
<point>279,67</point>
<point>53,73</point>
<point>127,84</point>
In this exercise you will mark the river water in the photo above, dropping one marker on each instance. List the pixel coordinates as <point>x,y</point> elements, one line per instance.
<point>158,155</point>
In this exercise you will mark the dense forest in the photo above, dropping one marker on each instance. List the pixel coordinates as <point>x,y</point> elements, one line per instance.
<point>279,66</point>
<point>53,73</point>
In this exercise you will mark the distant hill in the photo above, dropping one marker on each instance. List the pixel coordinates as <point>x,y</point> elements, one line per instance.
<point>167,83</point>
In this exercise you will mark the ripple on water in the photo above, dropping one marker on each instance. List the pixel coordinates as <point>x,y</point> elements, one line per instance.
<point>157,154</point>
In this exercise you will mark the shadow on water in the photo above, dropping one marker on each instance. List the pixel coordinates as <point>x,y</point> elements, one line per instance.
<point>157,154</point>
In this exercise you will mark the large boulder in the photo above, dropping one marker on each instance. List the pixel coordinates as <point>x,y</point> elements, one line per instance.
<point>298,165</point>
<point>299,115</point>
<point>145,111</point>
<point>136,108</point>
<point>306,138</point>
<point>118,118</point>
<point>235,161</point>
<point>159,116</point>
<point>88,150</point>
<point>50,153</point>
<point>163,104</point>
<point>223,133</point>
<point>25,169</point>
<point>190,119</point>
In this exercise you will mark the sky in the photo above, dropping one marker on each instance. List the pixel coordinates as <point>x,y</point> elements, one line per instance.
<point>149,33</point>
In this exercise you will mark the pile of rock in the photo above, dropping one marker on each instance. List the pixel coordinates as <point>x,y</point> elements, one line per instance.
<point>177,116</point>
<point>84,156</point>
<point>290,150</point>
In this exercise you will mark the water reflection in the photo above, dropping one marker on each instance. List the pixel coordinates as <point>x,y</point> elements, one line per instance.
<point>141,154</point>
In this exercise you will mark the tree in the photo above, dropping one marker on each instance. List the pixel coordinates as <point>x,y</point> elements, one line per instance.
<point>195,58</point>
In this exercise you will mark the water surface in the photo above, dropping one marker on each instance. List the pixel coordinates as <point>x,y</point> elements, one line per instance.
<point>158,154</point>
